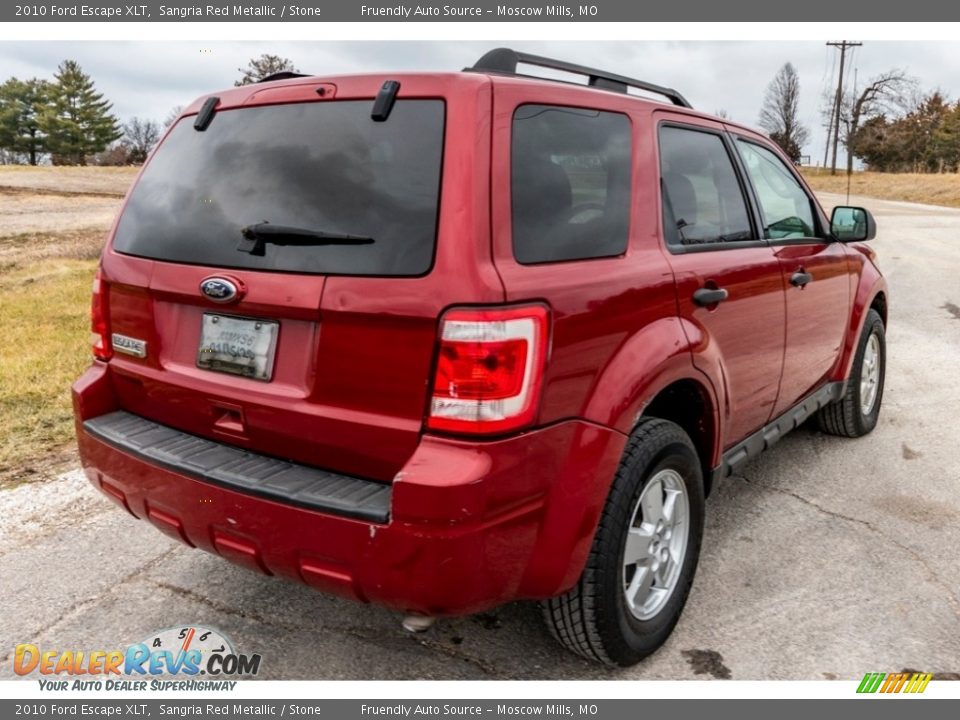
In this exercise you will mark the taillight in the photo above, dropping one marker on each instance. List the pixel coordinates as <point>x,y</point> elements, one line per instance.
<point>489,369</point>
<point>99,319</point>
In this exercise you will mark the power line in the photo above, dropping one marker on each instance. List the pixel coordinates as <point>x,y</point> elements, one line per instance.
<point>844,45</point>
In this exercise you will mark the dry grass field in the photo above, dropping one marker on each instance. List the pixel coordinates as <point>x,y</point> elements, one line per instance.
<point>52,225</point>
<point>931,189</point>
<point>109,181</point>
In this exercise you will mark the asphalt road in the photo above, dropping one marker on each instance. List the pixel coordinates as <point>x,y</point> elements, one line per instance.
<point>826,558</point>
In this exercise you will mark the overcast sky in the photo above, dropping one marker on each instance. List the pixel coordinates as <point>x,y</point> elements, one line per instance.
<point>147,79</point>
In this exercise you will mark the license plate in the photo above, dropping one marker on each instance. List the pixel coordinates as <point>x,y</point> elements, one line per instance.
<point>240,346</point>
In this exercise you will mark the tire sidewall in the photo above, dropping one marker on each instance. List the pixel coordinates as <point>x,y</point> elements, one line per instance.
<point>634,638</point>
<point>872,326</point>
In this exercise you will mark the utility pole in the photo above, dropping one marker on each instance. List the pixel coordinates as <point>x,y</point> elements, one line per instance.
<point>826,150</point>
<point>844,45</point>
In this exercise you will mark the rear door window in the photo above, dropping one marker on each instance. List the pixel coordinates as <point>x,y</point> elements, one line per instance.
<point>570,183</point>
<point>702,198</point>
<point>322,166</point>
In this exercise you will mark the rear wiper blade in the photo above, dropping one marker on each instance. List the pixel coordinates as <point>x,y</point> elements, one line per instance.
<point>255,237</point>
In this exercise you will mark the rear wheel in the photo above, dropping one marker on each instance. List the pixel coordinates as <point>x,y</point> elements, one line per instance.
<point>857,412</point>
<point>644,553</point>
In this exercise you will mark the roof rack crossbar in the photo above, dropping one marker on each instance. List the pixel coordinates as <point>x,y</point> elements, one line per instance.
<point>505,60</point>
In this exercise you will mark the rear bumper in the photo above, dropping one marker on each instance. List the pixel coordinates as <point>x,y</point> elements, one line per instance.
<point>471,525</point>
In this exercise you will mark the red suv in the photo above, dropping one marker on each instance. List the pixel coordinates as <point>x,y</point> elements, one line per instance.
<point>444,341</point>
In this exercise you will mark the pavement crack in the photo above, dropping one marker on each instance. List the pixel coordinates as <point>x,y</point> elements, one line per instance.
<point>456,654</point>
<point>811,503</point>
<point>932,575</point>
<point>220,607</point>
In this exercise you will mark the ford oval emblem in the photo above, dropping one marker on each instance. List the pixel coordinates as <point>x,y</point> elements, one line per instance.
<point>221,289</point>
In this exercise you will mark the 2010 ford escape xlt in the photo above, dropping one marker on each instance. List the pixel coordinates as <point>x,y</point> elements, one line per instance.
<point>444,341</point>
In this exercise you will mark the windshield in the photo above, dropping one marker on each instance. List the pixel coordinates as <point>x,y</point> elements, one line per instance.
<point>322,166</point>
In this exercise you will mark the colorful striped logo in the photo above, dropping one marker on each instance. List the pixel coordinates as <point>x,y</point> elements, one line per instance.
<point>894,682</point>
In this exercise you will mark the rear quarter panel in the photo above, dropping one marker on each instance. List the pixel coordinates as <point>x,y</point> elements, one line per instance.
<point>617,338</point>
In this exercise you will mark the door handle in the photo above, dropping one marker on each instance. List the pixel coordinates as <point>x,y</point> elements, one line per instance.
<point>709,296</point>
<point>800,278</point>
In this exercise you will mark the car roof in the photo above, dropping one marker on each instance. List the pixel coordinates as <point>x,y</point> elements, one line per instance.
<point>242,95</point>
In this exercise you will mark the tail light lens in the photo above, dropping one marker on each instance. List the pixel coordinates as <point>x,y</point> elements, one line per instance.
<point>99,323</point>
<point>489,369</point>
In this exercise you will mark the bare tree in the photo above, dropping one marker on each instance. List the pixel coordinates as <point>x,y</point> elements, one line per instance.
<point>889,92</point>
<point>779,115</point>
<point>117,155</point>
<point>723,114</point>
<point>260,67</point>
<point>172,116</point>
<point>140,136</point>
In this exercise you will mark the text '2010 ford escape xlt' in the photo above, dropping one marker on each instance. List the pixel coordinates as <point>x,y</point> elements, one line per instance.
<point>444,341</point>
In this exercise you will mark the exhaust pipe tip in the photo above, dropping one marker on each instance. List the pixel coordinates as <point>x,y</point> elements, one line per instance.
<point>417,623</point>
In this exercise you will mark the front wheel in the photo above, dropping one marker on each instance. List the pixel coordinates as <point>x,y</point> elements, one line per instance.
<point>644,554</point>
<point>857,412</point>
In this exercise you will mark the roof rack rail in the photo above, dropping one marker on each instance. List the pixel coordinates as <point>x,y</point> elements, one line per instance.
<point>504,61</point>
<point>282,75</point>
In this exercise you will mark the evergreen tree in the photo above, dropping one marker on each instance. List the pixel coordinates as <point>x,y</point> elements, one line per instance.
<point>926,139</point>
<point>932,114</point>
<point>77,120</point>
<point>946,140</point>
<point>876,142</point>
<point>20,105</point>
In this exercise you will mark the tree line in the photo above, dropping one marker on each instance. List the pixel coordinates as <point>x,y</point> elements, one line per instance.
<point>924,139</point>
<point>887,123</point>
<point>66,121</point>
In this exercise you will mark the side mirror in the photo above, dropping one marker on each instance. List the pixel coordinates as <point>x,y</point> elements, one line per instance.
<point>852,224</point>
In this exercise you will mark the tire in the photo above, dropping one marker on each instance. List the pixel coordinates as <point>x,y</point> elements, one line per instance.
<point>848,416</point>
<point>594,618</point>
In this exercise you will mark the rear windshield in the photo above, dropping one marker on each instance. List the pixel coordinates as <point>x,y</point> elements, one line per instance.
<point>323,167</point>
